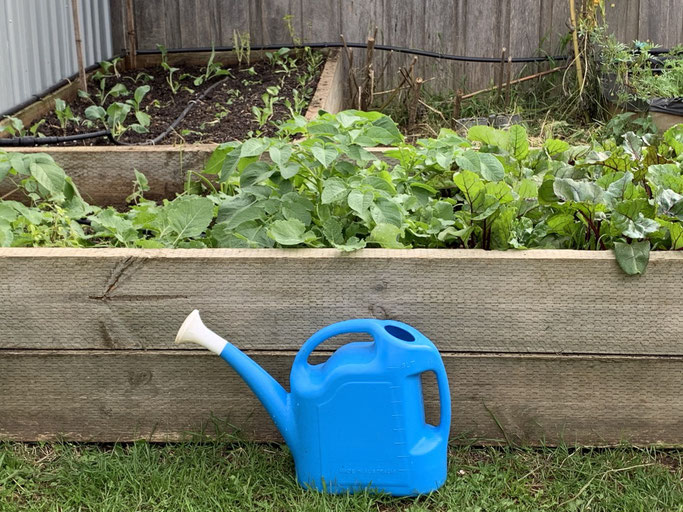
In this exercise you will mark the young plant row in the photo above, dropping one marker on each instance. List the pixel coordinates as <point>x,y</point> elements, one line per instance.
<point>490,190</point>
<point>117,108</point>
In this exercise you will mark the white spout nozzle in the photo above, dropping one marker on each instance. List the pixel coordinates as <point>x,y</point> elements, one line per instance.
<point>193,330</point>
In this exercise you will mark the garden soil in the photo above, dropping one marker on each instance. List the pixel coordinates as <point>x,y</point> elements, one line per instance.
<point>225,114</point>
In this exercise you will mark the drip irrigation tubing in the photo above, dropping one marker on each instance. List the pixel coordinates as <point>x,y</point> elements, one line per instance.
<point>383,47</point>
<point>41,141</point>
<point>178,120</point>
<point>35,141</point>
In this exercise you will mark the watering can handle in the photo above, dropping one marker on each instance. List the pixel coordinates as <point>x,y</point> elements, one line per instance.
<point>434,363</point>
<point>368,326</point>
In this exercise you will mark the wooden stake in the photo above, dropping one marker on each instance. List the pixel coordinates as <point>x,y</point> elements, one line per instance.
<point>79,46</point>
<point>131,58</point>
<point>369,84</point>
<point>412,119</point>
<point>501,74</point>
<point>575,39</point>
<point>509,80</point>
<point>353,84</point>
<point>457,107</point>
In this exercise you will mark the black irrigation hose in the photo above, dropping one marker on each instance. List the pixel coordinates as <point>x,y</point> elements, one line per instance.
<point>384,47</point>
<point>178,120</point>
<point>42,141</point>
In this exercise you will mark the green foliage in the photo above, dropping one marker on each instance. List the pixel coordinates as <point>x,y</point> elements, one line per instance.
<point>491,190</point>
<point>640,72</point>
<point>202,473</point>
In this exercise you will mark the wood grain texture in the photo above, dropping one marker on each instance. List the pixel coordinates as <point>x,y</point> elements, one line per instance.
<point>479,28</point>
<point>329,95</point>
<point>566,302</point>
<point>104,175</point>
<point>40,108</point>
<point>150,25</point>
<point>118,25</point>
<point>109,396</point>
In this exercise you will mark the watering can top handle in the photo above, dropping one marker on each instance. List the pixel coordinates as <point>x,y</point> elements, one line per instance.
<point>368,326</point>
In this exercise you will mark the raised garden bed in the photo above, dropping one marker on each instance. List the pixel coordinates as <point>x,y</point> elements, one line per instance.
<point>541,347</point>
<point>103,173</point>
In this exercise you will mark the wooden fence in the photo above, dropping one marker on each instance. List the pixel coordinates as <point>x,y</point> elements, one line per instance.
<point>475,28</point>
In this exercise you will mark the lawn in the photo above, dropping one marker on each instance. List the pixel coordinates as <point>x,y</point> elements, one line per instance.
<point>233,475</point>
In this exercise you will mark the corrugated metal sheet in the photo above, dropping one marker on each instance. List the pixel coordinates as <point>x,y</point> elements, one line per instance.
<point>37,47</point>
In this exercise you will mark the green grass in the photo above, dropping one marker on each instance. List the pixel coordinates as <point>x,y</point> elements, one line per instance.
<point>223,476</point>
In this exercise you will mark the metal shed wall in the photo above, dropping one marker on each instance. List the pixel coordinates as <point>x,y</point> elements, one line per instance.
<point>37,47</point>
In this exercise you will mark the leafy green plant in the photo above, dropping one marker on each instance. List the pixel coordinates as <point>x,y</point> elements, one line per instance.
<point>173,83</point>
<point>64,114</point>
<point>282,61</point>
<point>142,117</point>
<point>113,118</point>
<point>212,70</point>
<point>490,190</point>
<point>15,127</point>
<point>269,98</point>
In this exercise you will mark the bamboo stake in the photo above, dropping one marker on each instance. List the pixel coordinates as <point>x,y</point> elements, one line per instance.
<point>79,45</point>
<point>514,82</point>
<point>132,57</point>
<point>575,39</point>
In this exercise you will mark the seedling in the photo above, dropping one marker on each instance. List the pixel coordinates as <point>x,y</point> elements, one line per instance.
<point>213,69</point>
<point>242,47</point>
<point>108,69</point>
<point>16,128</point>
<point>113,118</point>
<point>140,186</point>
<point>142,117</point>
<point>283,59</point>
<point>263,115</point>
<point>64,113</point>
<point>300,103</point>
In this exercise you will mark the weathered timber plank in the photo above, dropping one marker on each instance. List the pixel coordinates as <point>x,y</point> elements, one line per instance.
<point>323,21</point>
<point>123,396</point>
<point>274,28</point>
<point>329,96</point>
<point>464,300</point>
<point>118,25</point>
<point>150,26</point>
<point>173,24</point>
<point>40,108</point>
<point>104,175</point>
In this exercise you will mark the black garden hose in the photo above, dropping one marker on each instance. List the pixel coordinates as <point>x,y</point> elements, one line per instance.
<point>383,47</point>
<point>43,141</point>
<point>178,120</point>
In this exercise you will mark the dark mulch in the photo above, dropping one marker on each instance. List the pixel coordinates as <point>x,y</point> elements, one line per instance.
<point>225,114</point>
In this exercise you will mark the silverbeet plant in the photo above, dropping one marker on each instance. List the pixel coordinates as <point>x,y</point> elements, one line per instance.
<point>490,191</point>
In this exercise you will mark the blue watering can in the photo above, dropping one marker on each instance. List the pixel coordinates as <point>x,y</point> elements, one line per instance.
<point>357,420</point>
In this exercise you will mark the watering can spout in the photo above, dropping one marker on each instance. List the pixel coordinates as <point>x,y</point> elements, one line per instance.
<point>271,394</point>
